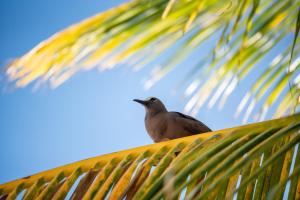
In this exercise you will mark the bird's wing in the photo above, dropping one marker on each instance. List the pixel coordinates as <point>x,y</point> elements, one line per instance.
<point>191,124</point>
<point>186,116</point>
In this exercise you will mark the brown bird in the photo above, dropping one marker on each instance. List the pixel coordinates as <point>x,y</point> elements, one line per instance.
<point>162,125</point>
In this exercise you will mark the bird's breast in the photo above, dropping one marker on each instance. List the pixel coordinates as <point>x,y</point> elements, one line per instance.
<point>156,126</point>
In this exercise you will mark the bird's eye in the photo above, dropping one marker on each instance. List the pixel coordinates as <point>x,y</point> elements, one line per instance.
<point>152,99</point>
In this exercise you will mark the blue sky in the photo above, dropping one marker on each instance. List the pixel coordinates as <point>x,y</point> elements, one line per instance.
<point>92,113</point>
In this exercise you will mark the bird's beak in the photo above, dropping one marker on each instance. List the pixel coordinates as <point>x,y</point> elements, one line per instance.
<point>140,101</point>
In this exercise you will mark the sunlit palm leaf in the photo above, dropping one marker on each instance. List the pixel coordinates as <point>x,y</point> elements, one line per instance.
<point>257,160</point>
<point>244,35</point>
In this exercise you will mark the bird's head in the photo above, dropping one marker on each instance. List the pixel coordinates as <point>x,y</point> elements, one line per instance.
<point>152,105</point>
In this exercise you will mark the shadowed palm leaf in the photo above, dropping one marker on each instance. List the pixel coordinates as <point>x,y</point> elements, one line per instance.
<point>245,35</point>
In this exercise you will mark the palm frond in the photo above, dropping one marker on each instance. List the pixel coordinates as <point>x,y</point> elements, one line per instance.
<point>259,160</point>
<point>245,36</point>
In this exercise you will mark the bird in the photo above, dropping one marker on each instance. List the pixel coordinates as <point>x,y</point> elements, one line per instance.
<point>163,125</point>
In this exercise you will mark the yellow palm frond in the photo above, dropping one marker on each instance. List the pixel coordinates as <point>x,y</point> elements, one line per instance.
<point>254,160</point>
<point>245,36</point>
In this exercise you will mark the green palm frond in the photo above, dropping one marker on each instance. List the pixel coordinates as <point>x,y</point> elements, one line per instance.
<point>245,35</point>
<point>260,161</point>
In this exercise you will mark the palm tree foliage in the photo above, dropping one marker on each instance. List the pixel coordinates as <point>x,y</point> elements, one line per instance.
<point>246,34</point>
<point>260,161</point>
